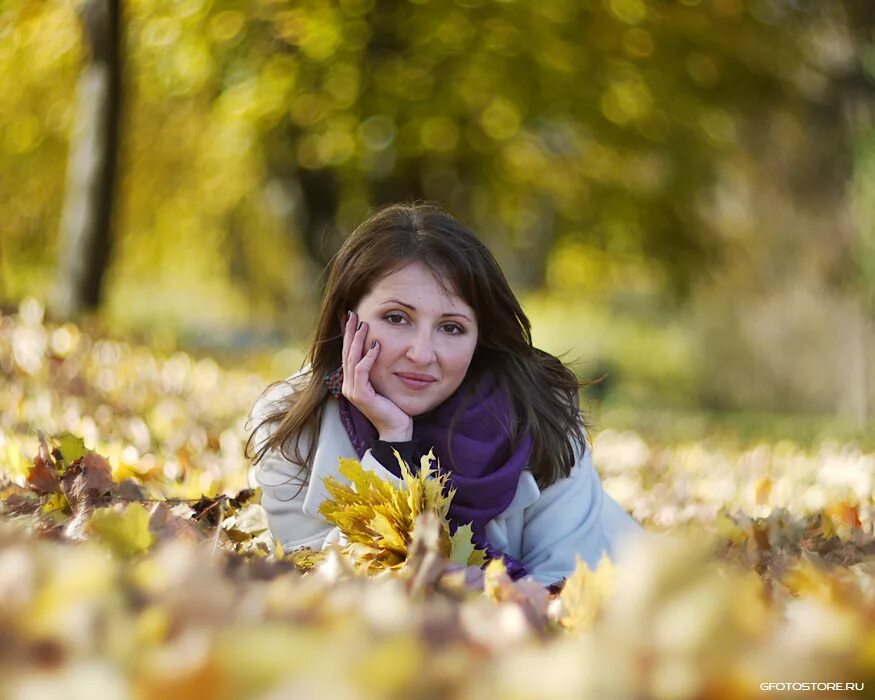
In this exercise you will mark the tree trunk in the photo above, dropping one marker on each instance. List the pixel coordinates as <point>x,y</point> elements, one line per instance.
<point>318,220</point>
<point>86,221</point>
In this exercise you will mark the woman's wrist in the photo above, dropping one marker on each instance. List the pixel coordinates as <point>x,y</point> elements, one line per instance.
<point>396,435</point>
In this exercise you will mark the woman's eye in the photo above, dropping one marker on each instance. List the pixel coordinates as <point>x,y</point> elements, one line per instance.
<point>451,328</point>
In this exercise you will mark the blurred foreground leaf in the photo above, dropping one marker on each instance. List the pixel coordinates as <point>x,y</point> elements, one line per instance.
<point>125,531</point>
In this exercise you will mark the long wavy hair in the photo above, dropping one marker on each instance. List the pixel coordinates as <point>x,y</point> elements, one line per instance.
<point>544,393</point>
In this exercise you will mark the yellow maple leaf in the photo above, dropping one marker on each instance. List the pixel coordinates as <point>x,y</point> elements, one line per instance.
<point>463,550</point>
<point>808,578</point>
<point>762,490</point>
<point>377,517</point>
<point>497,583</point>
<point>727,528</point>
<point>585,594</point>
<point>305,558</point>
<point>56,504</point>
<point>126,532</point>
<point>841,519</point>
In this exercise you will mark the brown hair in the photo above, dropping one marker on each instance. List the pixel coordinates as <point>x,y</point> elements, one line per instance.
<point>542,390</point>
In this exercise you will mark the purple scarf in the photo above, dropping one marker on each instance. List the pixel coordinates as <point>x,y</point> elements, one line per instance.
<point>481,466</point>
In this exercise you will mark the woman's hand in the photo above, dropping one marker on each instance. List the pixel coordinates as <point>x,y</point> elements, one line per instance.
<point>391,422</point>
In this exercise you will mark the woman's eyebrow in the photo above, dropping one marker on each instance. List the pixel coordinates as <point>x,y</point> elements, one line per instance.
<point>413,308</point>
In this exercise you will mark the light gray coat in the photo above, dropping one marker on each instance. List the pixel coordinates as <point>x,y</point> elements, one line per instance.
<point>544,529</point>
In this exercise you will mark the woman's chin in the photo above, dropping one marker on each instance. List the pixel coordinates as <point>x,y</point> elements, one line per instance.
<point>411,406</point>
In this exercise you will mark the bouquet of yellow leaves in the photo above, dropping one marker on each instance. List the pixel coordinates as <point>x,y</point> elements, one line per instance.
<point>378,518</point>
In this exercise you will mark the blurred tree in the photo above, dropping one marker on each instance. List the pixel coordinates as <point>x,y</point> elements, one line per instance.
<point>86,225</point>
<point>786,204</point>
<point>563,132</point>
<point>40,57</point>
<point>601,122</point>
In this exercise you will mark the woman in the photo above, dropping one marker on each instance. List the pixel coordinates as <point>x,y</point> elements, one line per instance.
<point>421,343</point>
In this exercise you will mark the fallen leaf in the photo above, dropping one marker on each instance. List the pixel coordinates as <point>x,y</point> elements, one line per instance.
<point>42,476</point>
<point>585,593</point>
<point>125,531</point>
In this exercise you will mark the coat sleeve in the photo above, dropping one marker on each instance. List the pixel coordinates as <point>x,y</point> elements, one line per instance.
<point>572,517</point>
<point>284,484</point>
<point>289,494</point>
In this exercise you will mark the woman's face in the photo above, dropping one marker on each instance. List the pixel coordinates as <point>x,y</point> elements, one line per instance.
<point>421,332</point>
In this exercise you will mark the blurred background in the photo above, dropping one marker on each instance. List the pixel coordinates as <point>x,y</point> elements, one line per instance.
<point>681,192</point>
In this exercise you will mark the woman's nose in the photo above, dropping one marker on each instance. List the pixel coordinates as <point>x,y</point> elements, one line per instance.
<point>421,350</point>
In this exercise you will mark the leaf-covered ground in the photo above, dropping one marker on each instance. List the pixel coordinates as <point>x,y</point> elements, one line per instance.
<point>135,561</point>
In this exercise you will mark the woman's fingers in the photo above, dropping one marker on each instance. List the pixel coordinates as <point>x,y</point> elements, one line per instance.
<point>363,368</point>
<point>348,333</point>
<point>356,348</point>
<point>358,361</point>
<point>347,336</point>
<point>353,381</point>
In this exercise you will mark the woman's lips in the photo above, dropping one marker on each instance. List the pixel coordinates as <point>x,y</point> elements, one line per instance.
<point>415,383</point>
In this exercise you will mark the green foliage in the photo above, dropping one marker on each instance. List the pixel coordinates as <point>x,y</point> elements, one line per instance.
<point>252,132</point>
